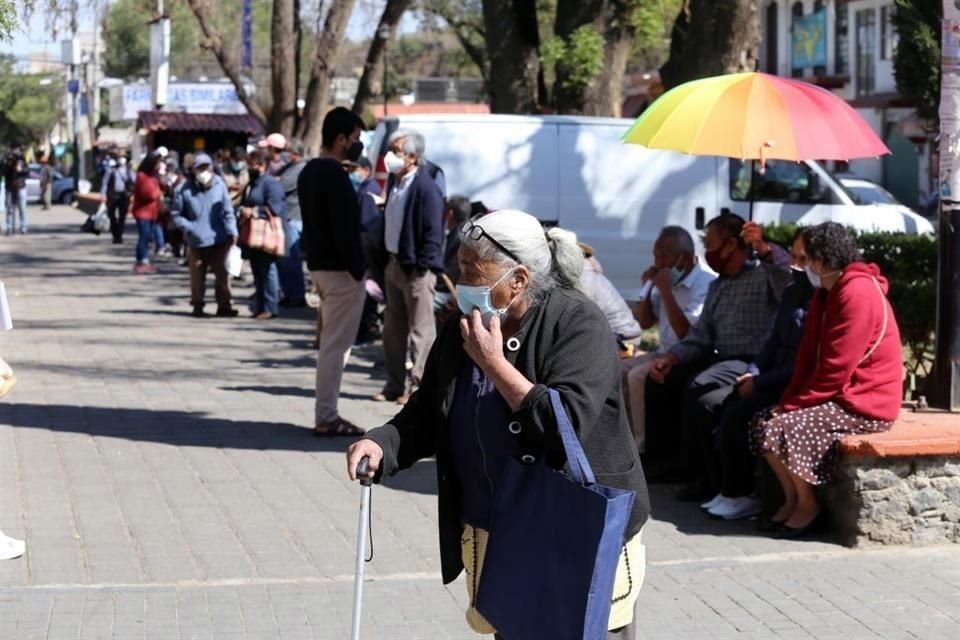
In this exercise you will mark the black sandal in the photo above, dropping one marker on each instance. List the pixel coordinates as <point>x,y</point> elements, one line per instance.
<point>338,428</point>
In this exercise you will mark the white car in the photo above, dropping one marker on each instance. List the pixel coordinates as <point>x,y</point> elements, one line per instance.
<point>869,193</point>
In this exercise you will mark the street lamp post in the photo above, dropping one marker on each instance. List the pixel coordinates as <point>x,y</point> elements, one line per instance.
<point>384,33</point>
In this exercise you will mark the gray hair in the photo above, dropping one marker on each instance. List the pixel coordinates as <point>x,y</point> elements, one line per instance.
<point>413,142</point>
<point>680,237</point>
<point>553,256</point>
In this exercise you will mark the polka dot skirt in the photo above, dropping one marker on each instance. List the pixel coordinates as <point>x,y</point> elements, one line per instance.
<point>806,439</point>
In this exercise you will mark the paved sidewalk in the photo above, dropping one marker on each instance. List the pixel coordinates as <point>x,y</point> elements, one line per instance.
<point>163,474</point>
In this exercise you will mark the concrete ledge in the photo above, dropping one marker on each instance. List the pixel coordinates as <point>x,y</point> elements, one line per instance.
<point>901,487</point>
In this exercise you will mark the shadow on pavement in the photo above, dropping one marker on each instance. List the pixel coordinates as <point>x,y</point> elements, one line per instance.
<point>300,392</point>
<point>177,428</point>
<point>688,518</point>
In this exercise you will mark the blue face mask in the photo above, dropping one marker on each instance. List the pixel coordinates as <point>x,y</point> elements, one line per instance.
<point>471,297</point>
<point>355,179</point>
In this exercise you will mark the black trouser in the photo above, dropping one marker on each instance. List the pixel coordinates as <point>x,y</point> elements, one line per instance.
<point>117,212</point>
<point>703,402</point>
<point>664,440</point>
<point>732,440</point>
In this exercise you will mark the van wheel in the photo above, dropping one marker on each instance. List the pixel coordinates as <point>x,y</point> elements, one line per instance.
<point>66,197</point>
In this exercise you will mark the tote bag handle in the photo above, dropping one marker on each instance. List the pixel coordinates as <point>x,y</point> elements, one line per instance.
<point>579,465</point>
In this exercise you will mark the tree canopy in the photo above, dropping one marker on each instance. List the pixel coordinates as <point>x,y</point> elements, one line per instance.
<point>916,63</point>
<point>29,103</point>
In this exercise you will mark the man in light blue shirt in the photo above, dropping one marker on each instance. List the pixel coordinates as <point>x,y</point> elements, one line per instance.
<point>675,288</point>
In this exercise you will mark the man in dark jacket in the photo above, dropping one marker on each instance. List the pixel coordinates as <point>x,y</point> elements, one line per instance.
<point>331,241</point>
<point>458,210</point>
<point>727,440</point>
<point>413,237</point>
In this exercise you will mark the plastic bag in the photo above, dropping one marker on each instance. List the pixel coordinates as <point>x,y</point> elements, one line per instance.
<point>234,262</point>
<point>101,221</point>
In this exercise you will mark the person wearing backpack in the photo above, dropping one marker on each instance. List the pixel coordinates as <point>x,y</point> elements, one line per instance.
<point>115,192</point>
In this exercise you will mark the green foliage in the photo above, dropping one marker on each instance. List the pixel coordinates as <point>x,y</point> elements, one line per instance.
<point>652,21</point>
<point>916,63</point>
<point>909,262</point>
<point>126,35</point>
<point>29,104</point>
<point>577,60</point>
<point>8,19</point>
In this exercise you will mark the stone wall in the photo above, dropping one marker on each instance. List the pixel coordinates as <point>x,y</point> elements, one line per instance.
<point>885,501</point>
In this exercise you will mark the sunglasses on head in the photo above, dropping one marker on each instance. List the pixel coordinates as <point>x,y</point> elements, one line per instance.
<point>476,232</point>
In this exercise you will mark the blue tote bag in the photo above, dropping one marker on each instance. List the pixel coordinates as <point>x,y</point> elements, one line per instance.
<point>553,550</point>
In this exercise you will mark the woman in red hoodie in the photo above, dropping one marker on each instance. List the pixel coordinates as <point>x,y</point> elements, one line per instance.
<point>147,196</point>
<point>848,377</point>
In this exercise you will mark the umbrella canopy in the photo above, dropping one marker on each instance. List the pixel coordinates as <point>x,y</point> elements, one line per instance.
<point>755,116</point>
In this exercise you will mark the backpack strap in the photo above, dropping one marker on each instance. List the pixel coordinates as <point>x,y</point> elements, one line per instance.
<point>883,327</point>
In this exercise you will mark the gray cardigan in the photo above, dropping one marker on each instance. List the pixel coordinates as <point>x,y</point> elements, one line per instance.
<point>564,344</point>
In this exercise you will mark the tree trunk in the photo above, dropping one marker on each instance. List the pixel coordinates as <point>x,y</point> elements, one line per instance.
<point>227,61</point>
<point>373,67</point>
<point>712,37</point>
<point>298,61</point>
<point>512,49</point>
<point>945,381</point>
<point>571,15</point>
<point>321,73</point>
<point>604,96</point>
<point>283,113</point>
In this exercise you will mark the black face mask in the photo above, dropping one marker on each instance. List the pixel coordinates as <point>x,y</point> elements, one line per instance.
<point>254,174</point>
<point>354,151</point>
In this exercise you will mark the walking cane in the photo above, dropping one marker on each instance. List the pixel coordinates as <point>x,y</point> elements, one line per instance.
<point>366,484</point>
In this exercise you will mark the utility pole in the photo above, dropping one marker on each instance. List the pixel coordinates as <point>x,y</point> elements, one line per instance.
<point>93,76</point>
<point>946,373</point>
<point>78,160</point>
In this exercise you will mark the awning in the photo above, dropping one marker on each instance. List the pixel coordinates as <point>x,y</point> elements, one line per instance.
<point>154,121</point>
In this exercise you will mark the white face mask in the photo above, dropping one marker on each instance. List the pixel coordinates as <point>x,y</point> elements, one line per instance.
<point>205,177</point>
<point>122,162</point>
<point>393,162</point>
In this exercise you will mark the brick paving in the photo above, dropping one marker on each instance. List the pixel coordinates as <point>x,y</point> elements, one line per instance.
<point>162,472</point>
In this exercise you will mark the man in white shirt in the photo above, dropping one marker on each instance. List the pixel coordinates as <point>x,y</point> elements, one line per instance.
<point>673,294</point>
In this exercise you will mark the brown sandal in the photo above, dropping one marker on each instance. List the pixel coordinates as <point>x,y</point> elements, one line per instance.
<point>339,427</point>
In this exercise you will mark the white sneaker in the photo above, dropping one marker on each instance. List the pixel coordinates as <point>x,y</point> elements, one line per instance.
<point>717,499</point>
<point>11,548</point>
<point>736,508</point>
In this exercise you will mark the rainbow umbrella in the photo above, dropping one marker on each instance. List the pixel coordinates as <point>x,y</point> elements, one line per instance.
<point>755,116</point>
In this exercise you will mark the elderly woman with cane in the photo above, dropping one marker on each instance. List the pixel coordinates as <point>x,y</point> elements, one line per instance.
<point>529,357</point>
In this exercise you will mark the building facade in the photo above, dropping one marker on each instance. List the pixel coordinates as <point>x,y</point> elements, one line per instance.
<point>847,46</point>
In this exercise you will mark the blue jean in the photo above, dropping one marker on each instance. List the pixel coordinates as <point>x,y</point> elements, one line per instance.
<point>145,229</point>
<point>17,198</point>
<point>265,278</point>
<point>158,238</point>
<point>291,265</point>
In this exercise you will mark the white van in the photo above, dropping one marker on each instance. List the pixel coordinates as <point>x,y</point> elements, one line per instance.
<point>576,172</point>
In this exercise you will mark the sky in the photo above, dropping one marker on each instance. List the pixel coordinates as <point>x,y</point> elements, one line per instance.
<point>34,36</point>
